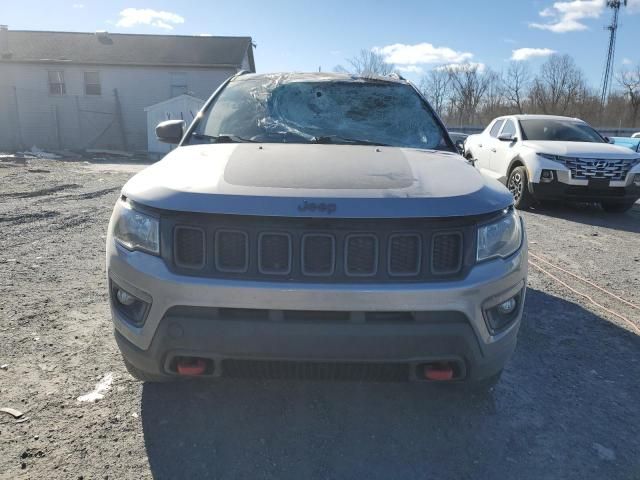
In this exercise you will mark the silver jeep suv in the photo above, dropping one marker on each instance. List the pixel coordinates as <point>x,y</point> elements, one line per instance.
<point>315,226</point>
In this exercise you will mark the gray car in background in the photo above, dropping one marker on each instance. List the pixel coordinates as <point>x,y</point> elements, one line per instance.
<point>315,226</point>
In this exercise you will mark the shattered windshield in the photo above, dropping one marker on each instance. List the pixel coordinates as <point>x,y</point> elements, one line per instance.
<point>278,109</point>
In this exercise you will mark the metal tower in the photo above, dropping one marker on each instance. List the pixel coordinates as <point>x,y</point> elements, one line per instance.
<point>613,29</point>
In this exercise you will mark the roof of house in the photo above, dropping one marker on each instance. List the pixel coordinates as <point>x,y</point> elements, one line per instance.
<point>103,48</point>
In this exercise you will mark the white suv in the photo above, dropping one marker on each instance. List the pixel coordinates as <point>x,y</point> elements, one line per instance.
<point>545,157</point>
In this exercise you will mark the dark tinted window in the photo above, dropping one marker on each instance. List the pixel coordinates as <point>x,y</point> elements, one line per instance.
<point>509,128</point>
<point>291,109</point>
<point>558,130</point>
<point>496,128</point>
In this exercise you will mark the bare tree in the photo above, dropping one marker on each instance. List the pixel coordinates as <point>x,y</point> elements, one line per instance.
<point>558,86</point>
<point>629,80</point>
<point>469,86</point>
<point>494,99</point>
<point>516,85</point>
<point>367,62</point>
<point>436,87</point>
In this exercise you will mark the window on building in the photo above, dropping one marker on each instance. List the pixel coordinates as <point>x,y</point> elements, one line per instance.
<point>56,83</point>
<point>178,84</point>
<point>92,83</point>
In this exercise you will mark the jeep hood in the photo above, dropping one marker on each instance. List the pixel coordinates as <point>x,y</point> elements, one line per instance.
<point>277,179</point>
<point>580,149</point>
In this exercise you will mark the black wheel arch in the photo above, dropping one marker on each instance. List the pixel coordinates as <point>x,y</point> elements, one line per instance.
<point>515,162</point>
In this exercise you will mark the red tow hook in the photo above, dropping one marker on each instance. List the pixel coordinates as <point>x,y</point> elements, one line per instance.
<point>191,366</point>
<point>438,371</point>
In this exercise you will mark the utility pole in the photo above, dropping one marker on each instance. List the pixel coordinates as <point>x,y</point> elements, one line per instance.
<point>608,68</point>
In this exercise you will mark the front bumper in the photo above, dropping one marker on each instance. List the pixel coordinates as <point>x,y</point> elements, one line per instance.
<point>454,327</point>
<point>557,190</point>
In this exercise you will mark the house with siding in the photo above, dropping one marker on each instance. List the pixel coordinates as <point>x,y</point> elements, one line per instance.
<point>69,90</point>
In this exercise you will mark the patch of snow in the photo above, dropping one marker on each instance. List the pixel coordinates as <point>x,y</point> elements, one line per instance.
<point>98,393</point>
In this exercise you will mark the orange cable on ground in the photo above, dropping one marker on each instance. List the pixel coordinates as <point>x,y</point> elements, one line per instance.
<point>589,282</point>
<point>629,322</point>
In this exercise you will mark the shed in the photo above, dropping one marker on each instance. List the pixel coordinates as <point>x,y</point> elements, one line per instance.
<point>183,107</point>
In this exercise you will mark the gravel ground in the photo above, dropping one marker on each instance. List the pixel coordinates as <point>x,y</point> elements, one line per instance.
<point>566,407</point>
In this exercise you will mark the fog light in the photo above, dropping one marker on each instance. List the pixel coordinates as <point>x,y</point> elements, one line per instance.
<point>500,316</point>
<point>636,180</point>
<point>125,298</point>
<point>133,309</point>
<point>546,176</point>
<point>505,308</point>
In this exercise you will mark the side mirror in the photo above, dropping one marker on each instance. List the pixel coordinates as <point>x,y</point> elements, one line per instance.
<point>460,146</point>
<point>609,140</point>
<point>506,137</point>
<point>170,131</point>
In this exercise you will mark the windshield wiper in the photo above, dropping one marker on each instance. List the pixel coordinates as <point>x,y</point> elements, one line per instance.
<point>223,138</point>
<point>337,139</point>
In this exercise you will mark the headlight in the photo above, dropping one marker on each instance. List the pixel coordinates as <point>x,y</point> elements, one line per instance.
<point>554,158</point>
<point>500,238</point>
<point>135,230</point>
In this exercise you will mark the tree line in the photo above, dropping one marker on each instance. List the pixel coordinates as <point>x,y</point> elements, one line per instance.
<point>470,95</point>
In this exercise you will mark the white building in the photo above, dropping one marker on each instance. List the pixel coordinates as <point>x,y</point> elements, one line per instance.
<point>89,90</point>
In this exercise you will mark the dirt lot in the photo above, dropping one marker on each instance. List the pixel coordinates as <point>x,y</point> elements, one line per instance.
<point>567,406</point>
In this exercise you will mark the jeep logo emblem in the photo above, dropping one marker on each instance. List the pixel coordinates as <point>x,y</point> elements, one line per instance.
<point>317,207</point>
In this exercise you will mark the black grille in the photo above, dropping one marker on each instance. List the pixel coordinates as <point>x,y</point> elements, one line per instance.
<point>318,254</point>
<point>381,372</point>
<point>189,251</point>
<point>274,253</point>
<point>362,255</point>
<point>404,254</point>
<point>231,251</point>
<point>446,254</point>
<point>319,250</point>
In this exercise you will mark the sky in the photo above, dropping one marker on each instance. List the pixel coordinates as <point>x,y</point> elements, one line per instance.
<point>416,36</point>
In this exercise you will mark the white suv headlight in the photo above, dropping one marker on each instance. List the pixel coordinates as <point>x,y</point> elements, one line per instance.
<point>500,238</point>
<point>135,230</point>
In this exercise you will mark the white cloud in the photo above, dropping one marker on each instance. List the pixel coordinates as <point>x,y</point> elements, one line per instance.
<point>411,69</point>
<point>205,35</point>
<point>627,61</point>
<point>78,5</point>
<point>130,17</point>
<point>526,53</point>
<point>420,53</point>
<point>568,16</point>
<point>461,67</point>
<point>633,6</point>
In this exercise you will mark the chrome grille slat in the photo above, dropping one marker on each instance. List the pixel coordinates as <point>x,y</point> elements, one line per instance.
<point>588,168</point>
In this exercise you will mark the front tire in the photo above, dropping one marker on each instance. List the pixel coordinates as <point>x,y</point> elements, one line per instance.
<point>518,185</point>
<point>617,207</point>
